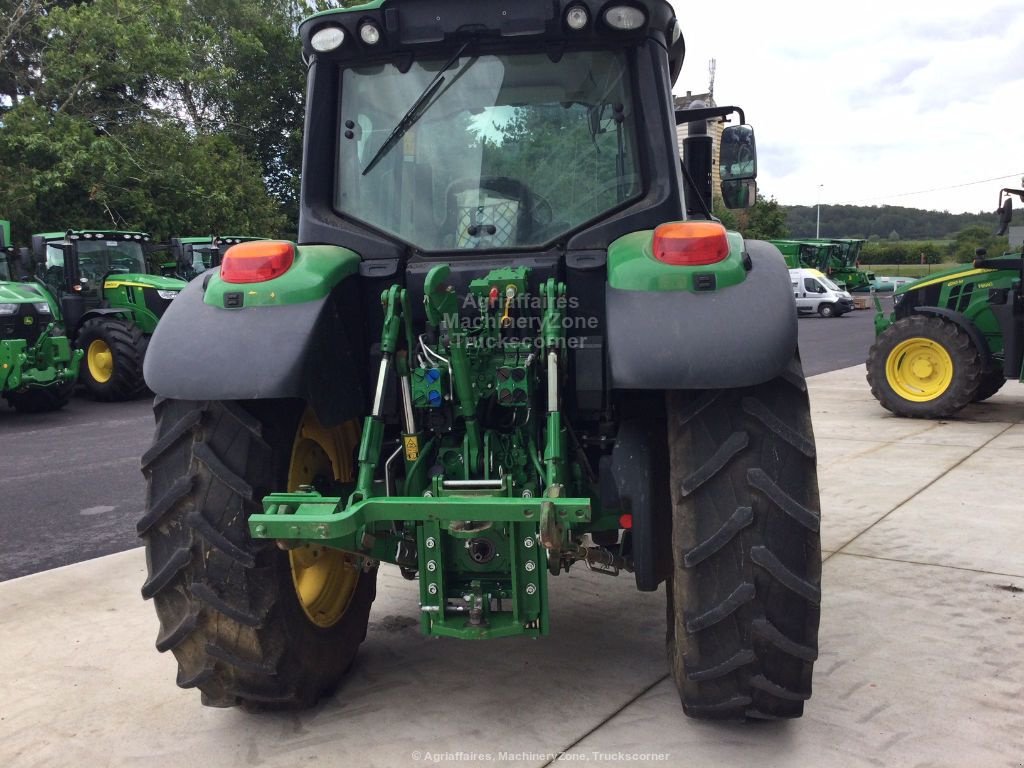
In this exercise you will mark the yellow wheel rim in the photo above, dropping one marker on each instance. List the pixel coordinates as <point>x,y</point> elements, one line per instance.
<point>100,360</point>
<point>919,370</point>
<point>325,579</point>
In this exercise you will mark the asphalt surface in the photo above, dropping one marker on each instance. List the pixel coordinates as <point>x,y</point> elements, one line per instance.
<point>833,343</point>
<point>71,489</point>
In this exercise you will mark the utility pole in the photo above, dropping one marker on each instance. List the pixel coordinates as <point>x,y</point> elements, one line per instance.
<point>817,227</point>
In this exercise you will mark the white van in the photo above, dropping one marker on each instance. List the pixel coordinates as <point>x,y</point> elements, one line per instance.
<point>814,292</point>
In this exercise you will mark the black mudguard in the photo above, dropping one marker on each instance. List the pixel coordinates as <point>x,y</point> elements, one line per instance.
<point>305,351</point>
<point>734,337</point>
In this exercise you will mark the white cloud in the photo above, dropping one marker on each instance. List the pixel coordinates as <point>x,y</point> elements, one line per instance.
<point>871,101</point>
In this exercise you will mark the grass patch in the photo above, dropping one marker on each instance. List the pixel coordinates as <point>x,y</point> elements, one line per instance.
<point>908,270</point>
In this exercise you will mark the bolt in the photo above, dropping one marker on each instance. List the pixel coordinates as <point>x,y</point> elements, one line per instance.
<point>528,542</point>
<point>432,589</point>
<point>261,530</point>
<point>431,565</point>
<point>527,494</point>
<point>531,589</point>
<point>324,531</point>
<point>430,542</point>
<point>306,489</point>
<point>530,565</point>
<point>293,530</point>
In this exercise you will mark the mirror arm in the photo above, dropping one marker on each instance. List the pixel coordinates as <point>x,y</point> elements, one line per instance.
<point>707,113</point>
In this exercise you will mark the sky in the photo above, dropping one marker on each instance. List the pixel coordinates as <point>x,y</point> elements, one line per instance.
<point>871,100</point>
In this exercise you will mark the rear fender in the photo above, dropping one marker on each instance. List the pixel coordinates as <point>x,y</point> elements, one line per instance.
<point>301,337</point>
<point>736,335</point>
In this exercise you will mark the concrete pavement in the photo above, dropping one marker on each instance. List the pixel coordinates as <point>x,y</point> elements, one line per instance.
<point>922,642</point>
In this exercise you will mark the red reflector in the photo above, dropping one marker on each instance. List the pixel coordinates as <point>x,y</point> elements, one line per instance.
<point>690,243</point>
<point>256,261</point>
<point>626,521</point>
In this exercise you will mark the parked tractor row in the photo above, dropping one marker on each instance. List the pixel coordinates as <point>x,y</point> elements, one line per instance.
<point>81,306</point>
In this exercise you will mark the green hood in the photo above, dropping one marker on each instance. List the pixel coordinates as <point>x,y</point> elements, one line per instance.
<point>963,270</point>
<point>145,281</point>
<point>22,293</point>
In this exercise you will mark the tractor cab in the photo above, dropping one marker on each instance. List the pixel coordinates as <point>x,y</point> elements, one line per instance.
<point>109,300</point>
<point>195,255</point>
<point>102,270</point>
<point>7,270</point>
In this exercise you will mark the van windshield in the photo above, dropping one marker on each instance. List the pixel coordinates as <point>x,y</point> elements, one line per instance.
<point>508,151</point>
<point>829,284</point>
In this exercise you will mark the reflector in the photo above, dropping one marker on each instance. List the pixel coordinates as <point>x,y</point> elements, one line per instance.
<point>257,261</point>
<point>690,243</point>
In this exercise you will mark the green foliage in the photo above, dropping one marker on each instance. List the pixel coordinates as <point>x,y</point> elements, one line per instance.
<point>766,220</point>
<point>169,116</point>
<point>961,249</point>
<point>968,240</point>
<point>862,221</point>
<point>62,172</point>
<point>725,215</point>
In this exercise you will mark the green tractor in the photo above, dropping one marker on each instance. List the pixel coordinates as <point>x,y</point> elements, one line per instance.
<point>838,258</point>
<point>953,337</point>
<point>800,254</point>
<point>195,255</point>
<point>510,341</point>
<point>109,302</point>
<point>844,265</point>
<point>38,367</point>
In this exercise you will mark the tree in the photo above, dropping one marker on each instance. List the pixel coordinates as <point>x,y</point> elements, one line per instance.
<point>969,239</point>
<point>111,109</point>
<point>765,220</point>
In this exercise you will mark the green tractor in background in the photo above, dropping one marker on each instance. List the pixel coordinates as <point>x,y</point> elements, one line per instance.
<point>38,367</point>
<point>109,302</point>
<point>800,254</point>
<point>195,255</point>
<point>844,266</point>
<point>838,258</point>
<point>511,341</point>
<point>953,337</point>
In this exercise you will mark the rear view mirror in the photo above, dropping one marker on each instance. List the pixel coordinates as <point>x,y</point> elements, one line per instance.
<point>738,155</point>
<point>739,193</point>
<point>26,264</point>
<point>1005,216</point>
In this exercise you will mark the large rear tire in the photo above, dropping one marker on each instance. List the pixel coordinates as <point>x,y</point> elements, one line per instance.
<point>925,367</point>
<point>991,382</point>
<point>743,600</point>
<point>230,608</point>
<point>112,364</point>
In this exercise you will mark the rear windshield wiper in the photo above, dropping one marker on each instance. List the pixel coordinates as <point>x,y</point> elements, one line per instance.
<point>416,111</point>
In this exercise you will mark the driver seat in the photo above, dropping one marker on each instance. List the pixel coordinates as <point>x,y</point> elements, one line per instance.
<point>493,212</point>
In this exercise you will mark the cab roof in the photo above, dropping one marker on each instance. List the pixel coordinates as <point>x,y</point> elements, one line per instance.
<point>406,25</point>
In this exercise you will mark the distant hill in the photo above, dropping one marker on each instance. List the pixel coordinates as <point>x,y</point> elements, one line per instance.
<point>882,220</point>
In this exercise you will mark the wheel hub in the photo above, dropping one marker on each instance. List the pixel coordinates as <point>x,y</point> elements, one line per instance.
<point>325,579</point>
<point>100,360</point>
<point>919,370</point>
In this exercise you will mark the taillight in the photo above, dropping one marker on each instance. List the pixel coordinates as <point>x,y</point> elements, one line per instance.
<point>257,261</point>
<point>690,243</point>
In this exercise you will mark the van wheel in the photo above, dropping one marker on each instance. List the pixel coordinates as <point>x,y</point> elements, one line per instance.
<point>826,310</point>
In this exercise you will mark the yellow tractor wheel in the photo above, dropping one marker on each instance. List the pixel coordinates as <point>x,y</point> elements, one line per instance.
<point>325,579</point>
<point>924,366</point>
